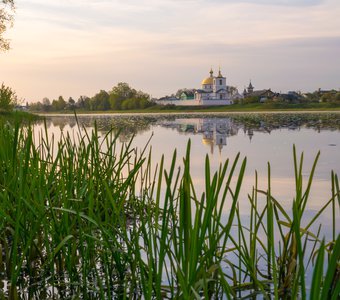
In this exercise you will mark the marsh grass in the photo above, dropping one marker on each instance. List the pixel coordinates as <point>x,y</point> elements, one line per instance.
<point>83,217</point>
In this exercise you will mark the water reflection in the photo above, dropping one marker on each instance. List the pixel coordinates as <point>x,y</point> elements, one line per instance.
<point>215,129</point>
<point>261,138</point>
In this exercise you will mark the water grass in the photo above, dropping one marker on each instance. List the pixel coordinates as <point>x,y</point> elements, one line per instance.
<point>85,217</point>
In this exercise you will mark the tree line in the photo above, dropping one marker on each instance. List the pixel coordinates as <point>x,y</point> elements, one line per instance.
<point>318,96</point>
<point>120,97</point>
<point>123,97</point>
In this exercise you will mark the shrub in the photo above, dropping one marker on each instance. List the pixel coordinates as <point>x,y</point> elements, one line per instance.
<point>8,98</point>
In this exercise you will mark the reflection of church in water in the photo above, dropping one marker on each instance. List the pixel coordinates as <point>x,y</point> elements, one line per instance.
<point>216,131</point>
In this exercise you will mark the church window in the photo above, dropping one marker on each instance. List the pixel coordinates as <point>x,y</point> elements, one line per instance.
<point>220,81</point>
<point>221,96</point>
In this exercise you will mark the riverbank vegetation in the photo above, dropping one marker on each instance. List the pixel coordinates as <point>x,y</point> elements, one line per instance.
<point>14,117</point>
<point>8,105</point>
<point>249,107</point>
<point>8,98</point>
<point>87,218</point>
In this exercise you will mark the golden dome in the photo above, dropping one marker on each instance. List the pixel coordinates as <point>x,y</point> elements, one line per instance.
<point>208,80</point>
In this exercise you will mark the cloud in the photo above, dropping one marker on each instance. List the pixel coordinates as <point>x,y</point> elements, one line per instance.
<point>274,2</point>
<point>91,15</point>
<point>173,17</point>
<point>92,44</point>
<point>199,48</point>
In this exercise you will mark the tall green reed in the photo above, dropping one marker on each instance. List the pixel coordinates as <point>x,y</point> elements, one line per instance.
<point>85,217</point>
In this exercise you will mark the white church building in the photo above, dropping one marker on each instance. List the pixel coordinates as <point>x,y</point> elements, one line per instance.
<point>213,91</point>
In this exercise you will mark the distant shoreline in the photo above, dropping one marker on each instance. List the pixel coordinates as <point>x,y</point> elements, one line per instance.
<point>148,113</point>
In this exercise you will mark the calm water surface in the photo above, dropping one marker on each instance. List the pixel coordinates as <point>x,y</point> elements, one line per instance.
<point>262,138</point>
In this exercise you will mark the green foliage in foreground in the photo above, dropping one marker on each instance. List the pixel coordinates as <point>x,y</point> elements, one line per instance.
<point>14,117</point>
<point>8,98</point>
<point>88,219</point>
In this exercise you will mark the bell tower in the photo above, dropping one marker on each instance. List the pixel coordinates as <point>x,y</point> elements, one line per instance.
<point>219,82</point>
<point>250,88</point>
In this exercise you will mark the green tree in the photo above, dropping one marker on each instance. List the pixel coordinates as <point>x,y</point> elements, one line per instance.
<point>115,102</point>
<point>329,96</point>
<point>6,21</point>
<point>136,103</point>
<point>326,97</point>
<point>83,102</point>
<point>71,103</point>
<point>100,101</point>
<point>61,103</point>
<point>54,105</point>
<point>337,97</point>
<point>122,91</point>
<point>37,106</point>
<point>251,99</point>
<point>232,90</point>
<point>122,96</point>
<point>58,105</point>
<point>8,98</point>
<point>311,97</point>
<point>46,104</point>
<point>127,104</point>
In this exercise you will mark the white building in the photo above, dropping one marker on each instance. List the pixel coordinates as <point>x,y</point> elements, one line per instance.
<point>214,89</point>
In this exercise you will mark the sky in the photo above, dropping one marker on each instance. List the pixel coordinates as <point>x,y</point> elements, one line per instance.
<point>79,47</point>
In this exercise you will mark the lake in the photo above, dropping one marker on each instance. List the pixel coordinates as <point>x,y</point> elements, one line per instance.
<point>260,137</point>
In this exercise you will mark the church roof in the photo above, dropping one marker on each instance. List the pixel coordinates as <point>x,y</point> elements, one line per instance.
<point>260,93</point>
<point>208,80</point>
<point>199,91</point>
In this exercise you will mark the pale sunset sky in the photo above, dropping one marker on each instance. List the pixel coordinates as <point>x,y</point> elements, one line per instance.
<point>78,47</point>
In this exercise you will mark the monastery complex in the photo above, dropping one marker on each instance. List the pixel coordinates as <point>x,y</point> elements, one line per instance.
<point>214,88</point>
<point>214,91</point>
